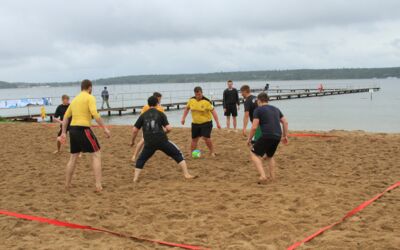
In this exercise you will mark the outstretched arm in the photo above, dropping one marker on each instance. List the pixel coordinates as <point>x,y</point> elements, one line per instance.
<point>215,115</point>
<point>185,113</point>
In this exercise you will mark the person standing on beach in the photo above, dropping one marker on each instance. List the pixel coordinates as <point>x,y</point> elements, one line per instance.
<point>155,128</point>
<point>250,104</point>
<point>270,119</point>
<point>231,104</point>
<point>82,139</point>
<point>105,96</point>
<point>145,108</point>
<point>202,113</point>
<point>59,117</point>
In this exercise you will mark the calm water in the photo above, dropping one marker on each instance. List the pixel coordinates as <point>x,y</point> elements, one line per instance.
<point>349,112</point>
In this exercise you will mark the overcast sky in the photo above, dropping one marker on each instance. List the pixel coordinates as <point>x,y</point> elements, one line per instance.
<point>54,40</point>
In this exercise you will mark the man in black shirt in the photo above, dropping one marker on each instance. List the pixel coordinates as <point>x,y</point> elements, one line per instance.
<point>250,104</point>
<point>155,128</point>
<point>269,118</point>
<point>231,103</point>
<point>59,117</point>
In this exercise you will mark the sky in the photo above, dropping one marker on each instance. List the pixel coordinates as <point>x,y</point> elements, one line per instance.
<point>60,40</point>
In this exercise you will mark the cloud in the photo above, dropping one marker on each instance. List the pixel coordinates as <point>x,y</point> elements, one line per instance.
<point>48,40</point>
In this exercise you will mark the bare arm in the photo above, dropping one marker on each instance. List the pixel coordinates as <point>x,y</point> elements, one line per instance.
<point>285,126</point>
<point>245,121</point>
<point>168,128</point>
<point>185,113</point>
<point>215,115</point>
<point>135,132</point>
<point>65,125</point>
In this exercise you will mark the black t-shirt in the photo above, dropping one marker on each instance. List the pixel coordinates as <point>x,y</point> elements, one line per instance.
<point>269,117</point>
<point>250,104</point>
<point>60,111</point>
<point>231,97</point>
<point>152,122</point>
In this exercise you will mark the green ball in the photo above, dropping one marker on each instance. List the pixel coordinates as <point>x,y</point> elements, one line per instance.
<point>196,154</point>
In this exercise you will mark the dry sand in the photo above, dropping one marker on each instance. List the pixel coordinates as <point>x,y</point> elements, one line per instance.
<point>319,180</point>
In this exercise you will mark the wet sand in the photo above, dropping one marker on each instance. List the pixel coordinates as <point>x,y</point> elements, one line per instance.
<point>318,181</point>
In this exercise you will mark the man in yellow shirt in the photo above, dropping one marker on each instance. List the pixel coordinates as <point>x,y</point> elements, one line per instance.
<point>82,139</point>
<point>145,108</point>
<point>202,113</point>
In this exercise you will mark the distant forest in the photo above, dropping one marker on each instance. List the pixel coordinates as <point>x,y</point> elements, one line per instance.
<point>268,75</point>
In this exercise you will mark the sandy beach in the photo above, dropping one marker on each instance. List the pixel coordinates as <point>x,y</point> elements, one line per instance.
<point>318,181</point>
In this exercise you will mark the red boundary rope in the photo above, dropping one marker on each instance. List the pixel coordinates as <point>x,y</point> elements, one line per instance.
<point>348,215</point>
<point>82,227</point>
<point>312,135</point>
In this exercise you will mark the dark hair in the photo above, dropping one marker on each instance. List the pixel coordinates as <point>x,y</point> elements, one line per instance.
<point>157,94</point>
<point>152,101</point>
<point>64,97</point>
<point>245,88</point>
<point>263,97</point>
<point>86,84</point>
<point>198,89</point>
<point>229,81</point>
<point>105,87</point>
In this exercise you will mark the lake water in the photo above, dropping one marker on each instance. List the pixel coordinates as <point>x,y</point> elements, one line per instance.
<point>348,112</point>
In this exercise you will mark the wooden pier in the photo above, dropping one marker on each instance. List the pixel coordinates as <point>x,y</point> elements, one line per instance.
<point>274,95</point>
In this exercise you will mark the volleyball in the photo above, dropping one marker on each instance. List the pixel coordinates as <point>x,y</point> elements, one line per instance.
<point>196,154</point>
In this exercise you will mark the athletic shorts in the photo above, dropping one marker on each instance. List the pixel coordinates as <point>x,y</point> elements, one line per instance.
<point>265,146</point>
<point>83,140</point>
<point>202,130</point>
<point>167,147</point>
<point>231,110</point>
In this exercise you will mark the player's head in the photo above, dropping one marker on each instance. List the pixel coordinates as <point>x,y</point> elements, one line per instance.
<point>65,99</point>
<point>230,84</point>
<point>105,88</point>
<point>158,96</point>
<point>152,101</point>
<point>198,93</point>
<point>245,90</point>
<point>86,85</point>
<point>262,98</point>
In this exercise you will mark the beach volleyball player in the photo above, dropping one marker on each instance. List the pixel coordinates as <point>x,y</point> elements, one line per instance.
<point>202,113</point>
<point>140,144</point>
<point>250,104</point>
<point>155,128</point>
<point>59,117</point>
<point>270,119</point>
<point>82,139</point>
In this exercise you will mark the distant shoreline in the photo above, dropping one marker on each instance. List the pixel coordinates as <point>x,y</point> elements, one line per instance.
<point>267,75</point>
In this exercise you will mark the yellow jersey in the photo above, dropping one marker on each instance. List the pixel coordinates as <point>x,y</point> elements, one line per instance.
<point>82,110</point>
<point>147,107</point>
<point>201,110</point>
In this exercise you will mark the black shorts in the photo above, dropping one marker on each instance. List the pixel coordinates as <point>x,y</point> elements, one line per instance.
<point>83,140</point>
<point>202,130</point>
<point>264,146</point>
<point>231,110</point>
<point>167,147</point>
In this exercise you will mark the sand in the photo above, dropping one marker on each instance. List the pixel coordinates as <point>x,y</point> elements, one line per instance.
<point>319,180</point>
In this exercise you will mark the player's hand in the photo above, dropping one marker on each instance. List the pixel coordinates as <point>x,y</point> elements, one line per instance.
<point>285,140</point>
<point>107,133</point>
<point>218,126</point>
<point>183,121</point>
<point>62,138</point>
<point>249,141</point>
<point>244,132</point>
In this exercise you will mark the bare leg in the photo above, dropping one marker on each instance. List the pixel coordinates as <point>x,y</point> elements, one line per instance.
<point>228,122</point>
<point>193,146</point>
<point>259,165</point>
<point>138,148</point>
<point>234,122</point>
<point>210,145</point>
<point>185,170</point>
<point>271,166</point>
<point>96,162</point>
<point>136,174</point>
<point>70,170</point>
